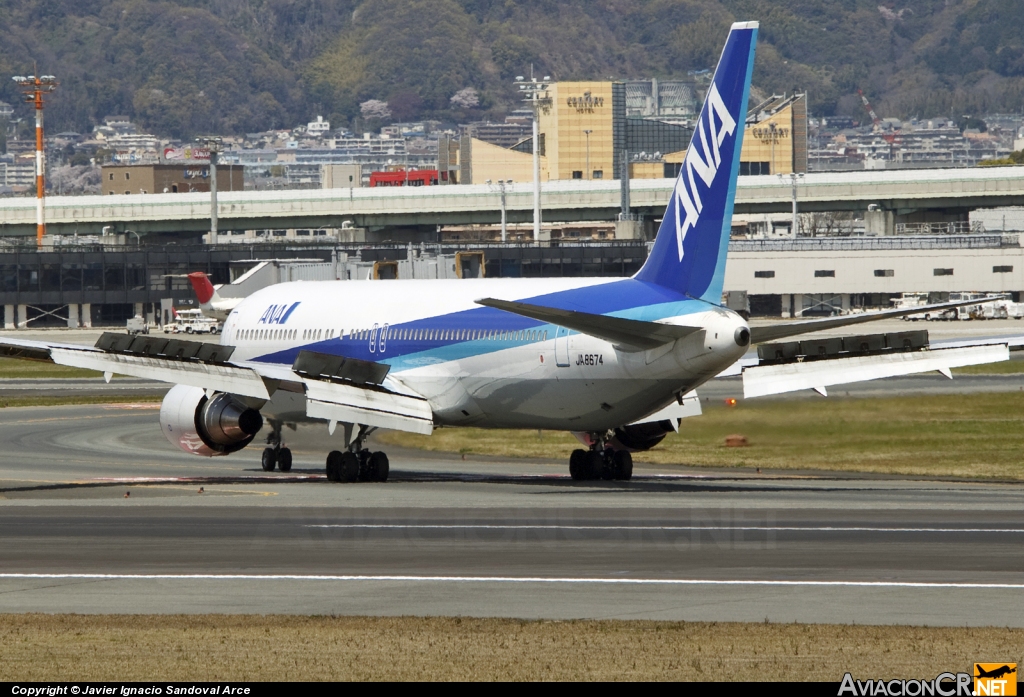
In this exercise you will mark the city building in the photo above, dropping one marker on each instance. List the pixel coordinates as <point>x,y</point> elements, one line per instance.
<point>589,130</point>
<point>665,99</point>
<point>318,127</point>
<point>168,178</point>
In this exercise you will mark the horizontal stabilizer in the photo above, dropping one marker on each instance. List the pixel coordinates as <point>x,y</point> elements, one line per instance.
<point>766,380</point>
<point>628,333</point>
<point>781,331</point>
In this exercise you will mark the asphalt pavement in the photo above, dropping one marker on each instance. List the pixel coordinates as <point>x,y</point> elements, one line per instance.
<point>484,536</point>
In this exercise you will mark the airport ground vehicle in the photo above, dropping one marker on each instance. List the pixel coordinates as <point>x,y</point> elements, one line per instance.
<point>615,361</point>
<point>192,322</point>
<point>137,325</point>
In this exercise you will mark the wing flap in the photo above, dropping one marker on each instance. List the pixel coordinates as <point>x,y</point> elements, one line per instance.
<point>217,377</point>
<point>766,380</point>
<point>773,332</point>
<point>675,411</point>
<point>628,333</point>
<point>372,407</point>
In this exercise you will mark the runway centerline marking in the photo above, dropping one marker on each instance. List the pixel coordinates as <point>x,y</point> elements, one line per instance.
<point>522,580</point>
<point>659,528</point>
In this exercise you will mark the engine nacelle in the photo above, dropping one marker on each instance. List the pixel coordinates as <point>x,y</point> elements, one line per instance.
<point>637,437</point>
<point>208,426</point>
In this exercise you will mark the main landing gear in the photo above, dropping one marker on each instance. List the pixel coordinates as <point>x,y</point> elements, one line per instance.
<point>275,454</point>
<point>357,464</point>
<point>601,463</point>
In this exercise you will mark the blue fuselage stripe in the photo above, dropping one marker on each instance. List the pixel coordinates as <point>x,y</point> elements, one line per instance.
<point>626,298</point>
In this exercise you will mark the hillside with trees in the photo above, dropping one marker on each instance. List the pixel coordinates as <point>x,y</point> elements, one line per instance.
<point>231,66</point>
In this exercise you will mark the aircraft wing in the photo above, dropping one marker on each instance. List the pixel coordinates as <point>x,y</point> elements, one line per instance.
<point>763,380</point>
<point>337,389</point>
<point>774,332</point>
<point>627,333</point>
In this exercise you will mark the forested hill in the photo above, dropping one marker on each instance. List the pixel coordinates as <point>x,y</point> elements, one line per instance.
<point>188,66</point>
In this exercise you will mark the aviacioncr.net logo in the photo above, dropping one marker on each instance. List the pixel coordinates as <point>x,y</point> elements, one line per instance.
<point>943,685</point>
<point>995,679</point>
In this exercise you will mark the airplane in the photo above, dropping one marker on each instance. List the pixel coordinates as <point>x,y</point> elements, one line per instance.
<point>995,673</point>
<point>615,361</point>
<point>210,301</point>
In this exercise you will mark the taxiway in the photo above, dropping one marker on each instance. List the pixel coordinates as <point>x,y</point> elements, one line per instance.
<point>483,537</point>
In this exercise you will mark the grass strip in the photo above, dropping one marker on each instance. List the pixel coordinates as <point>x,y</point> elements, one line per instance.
<point>67,400</point>
<point>20,368</point>
<point>39,647</point>
<point>958,435</point>
<point>1014,366</point>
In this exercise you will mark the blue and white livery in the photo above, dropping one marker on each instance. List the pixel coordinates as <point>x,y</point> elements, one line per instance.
<point>615,361</point>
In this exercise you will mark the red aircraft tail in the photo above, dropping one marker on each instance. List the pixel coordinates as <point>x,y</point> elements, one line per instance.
<point>202,286</point>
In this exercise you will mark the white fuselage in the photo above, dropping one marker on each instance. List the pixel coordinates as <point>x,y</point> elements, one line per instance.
<point>472,370</point>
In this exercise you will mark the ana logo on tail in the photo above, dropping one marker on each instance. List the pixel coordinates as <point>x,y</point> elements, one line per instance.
<point>704,165</point>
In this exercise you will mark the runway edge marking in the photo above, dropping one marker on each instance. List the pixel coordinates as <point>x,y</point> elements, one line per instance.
<point>517,580</point>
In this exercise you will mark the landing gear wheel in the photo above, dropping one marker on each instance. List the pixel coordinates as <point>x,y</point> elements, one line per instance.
<point>623,462</point>
<point>595,464</point>
<point>379,467</point>
<point>348,468</point>
<point>284,460</point>
<point>334,466</point>
<point>608,465</point>
<point>269,459</point>
<point>578,464</point>
<point>365,471</point>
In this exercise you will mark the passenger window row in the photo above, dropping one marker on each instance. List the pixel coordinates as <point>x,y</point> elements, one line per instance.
<point>396,334</point>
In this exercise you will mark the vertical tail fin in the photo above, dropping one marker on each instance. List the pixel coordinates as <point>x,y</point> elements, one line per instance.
<point>689,252</point>
<point>204,290</point>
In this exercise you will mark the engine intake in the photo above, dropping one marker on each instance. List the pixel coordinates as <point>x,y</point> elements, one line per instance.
<point>207,426</point>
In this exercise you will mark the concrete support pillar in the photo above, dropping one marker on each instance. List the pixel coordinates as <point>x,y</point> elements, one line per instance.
<point>87,315</point>
<point>72,316</point>
<point>845,297</point>
<point>139,309</point>
<point>22,316</point>
<point>628,229</point>
<point>9,321</point>
<point>787,305</point>
<point>798,304</point>
<point>880,222</point>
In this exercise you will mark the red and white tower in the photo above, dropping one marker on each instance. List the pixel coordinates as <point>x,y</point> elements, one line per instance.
<point>34,87</point>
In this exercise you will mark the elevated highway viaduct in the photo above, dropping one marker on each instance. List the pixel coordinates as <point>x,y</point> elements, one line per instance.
<point>899,192</point>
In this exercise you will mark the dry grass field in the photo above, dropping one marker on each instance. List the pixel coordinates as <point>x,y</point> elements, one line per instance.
<point>962,435</point>
<point>238,647</point>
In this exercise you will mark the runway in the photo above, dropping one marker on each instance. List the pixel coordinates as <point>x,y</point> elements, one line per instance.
<point>483,537</point>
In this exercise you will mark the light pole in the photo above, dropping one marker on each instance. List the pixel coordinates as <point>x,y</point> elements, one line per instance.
<point>138,240</point>
<point>501,187</point>
<point>213,144</point>
<point>794,179</point>
<point>587,133</point>
<point>536,95</point>
<point>34,87</point>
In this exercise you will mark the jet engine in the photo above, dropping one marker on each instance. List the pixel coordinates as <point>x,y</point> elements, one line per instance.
<point>207,425</point>
<point>637,437</point>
